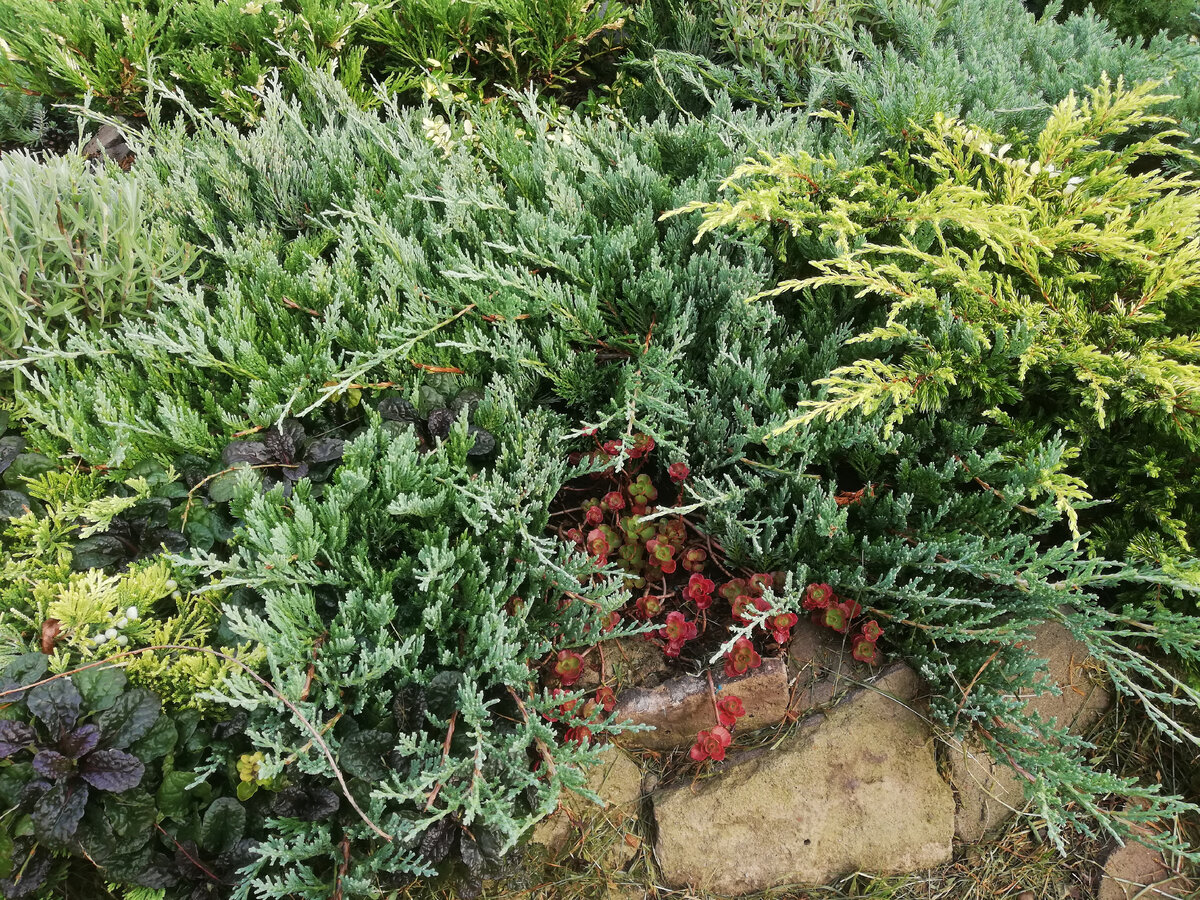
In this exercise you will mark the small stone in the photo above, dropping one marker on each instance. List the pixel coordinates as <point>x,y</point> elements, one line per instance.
<point>627,661</point>
<point>110,142</point>
<point>854,789</point>
<point>1135,870</point>
<point>681,707</point>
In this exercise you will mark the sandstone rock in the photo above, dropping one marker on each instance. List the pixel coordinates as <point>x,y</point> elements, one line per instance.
<point>617,779</point>
<point>989,792</point>
<point>856,788</point>
<point>626,661</point>
<point>1135,870</point>
<point>682,706</point>
<point>821,666</point>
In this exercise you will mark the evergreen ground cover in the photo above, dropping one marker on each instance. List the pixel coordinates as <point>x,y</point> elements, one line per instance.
<point>338,429</point>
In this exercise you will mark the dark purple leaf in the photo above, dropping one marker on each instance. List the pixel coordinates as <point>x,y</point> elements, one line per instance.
<point>152,512</point>
<point>10,448</point>
<point>130,717</point>
<point>191,865</point>
<point>31,793</point>
<point>281,445</point>
<point>56,703</point>
<point>295,471</point>
<point>14,736</point>
<point>472,857</point>
<point>159,873</point>
<point>397,409</point>
<point>112,770</point>
<point>99,552</point>
<point>468,399</point>
<point>438,840</point>
<point>237,856</point>
<point>293,431</point>
<point>80,741</point>
<point>364,754</point>
<point>29,870</point>
<point>52,764</point>
<point>57,813</point>
<point>440,422</point>
<point>157,538</point>
<point>309,803</point>
<point>235,725</point>
<point>320,450</point>
<point>253,452</point>
<point>485,442</point>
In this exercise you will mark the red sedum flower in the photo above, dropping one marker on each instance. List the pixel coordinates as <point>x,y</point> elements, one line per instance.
<point>699,590</point>
<point>834,617</point>
<point>711,744</point>
<point>817,596</point>
<point>580,734</point>
<point>677,632</point>
<point>648,606</point>
<point>606,698</point>
<point>569,667</point>
<point>729,710</point>
<point>642,444</point>
<point>780,626</point>
<point>871,631</point>
<point>865,651</point>
<point>741,658</point>
<point>611,621</point>
<point>678,472</point>
<point>693,559</point>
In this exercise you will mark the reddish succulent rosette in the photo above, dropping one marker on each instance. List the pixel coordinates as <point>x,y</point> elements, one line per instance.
<point>568,667</point>
<point>741,658</point>
<point>711,744</point>
<point>818,596</point>
<point>729,710</point>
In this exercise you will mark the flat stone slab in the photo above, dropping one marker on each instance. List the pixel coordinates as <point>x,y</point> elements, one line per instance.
<point>855,789</point>
<point>681,707</point>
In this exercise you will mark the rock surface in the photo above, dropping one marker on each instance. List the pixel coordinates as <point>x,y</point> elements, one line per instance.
<point>617,779</point>
<point>109,142</point>
<point>626,661</point>
<point>990,793</point>
<point>821,666</point>
<point>1135,870</point>
<point>681,707</point>
<point>856,788</point>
